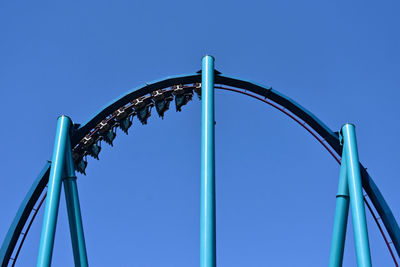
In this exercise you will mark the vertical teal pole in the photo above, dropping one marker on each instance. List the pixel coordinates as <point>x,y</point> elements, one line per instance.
<point>53,192</point>
<point>341,216</point>
<point>207,194</point>
<point>356,196</point>
<point>74,211</point>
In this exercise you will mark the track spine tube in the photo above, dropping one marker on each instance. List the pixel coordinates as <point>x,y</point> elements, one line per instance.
<point>328,139</point>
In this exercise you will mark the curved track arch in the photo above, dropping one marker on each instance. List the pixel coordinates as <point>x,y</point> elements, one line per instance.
<point>183,85</point>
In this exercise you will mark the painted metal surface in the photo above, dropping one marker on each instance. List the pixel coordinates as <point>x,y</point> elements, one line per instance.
<point>22,215</point>
<point>53,193</point>
<point>74,211</point>
<point>126,98</point>
<point>356,196</point>
<point>267,92</point>
<point>382,208</point>
<point>207,191</point>
<point>341,216</point>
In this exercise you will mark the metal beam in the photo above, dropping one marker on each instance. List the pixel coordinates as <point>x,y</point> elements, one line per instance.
<point>53,193</point>
<point>74,211</point>
<point>370,187</point>
<point>207,206</point>
<point>341,216</point>
<point>23,214</point>
<point>356,196</point>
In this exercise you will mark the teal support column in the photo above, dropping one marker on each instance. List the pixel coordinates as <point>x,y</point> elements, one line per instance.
<point>207,194</point>
<point>74,211</point>
<point>356,196</point>
<point>53,192</point>
<point>341,216</point>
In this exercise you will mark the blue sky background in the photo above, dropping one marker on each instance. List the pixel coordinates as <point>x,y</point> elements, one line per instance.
<point>276,185</point>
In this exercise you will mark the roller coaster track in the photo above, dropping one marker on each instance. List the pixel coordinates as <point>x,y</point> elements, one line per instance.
<point>139,101</point>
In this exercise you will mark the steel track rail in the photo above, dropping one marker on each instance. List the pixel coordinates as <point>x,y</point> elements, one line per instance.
<point>336,157</point>
<point>316,128</point>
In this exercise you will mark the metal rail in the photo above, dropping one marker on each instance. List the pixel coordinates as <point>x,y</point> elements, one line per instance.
<point>35,212</point>
<point>382,232</point>
<point>338,160</point>
<point>302,116</point>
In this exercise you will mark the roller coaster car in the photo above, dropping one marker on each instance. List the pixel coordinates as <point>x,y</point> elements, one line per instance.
<point>87,140</point>
<point>125,123</point>
<point>106,131</point>
<point>121,113</point>
<point>94,151</point>
<point>81,165</point>
<point>124,118</point>
<point>197,89</point>
<point>142,106</point>
<point>104,126</point>
<point>162,101</point>
<point>109,136</point>
<point>182,96</point>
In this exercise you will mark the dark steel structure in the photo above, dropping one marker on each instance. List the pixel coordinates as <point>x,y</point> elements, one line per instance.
<point>85,140</point>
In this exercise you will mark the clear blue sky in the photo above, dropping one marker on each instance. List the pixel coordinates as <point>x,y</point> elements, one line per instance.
<point>276,185</point>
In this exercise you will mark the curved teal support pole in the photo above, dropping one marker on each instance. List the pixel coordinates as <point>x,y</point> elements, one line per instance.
<point>74,211</point>
<point>341,217</point>
<point>356,196</point>
<point>53,193</point>
<point>207,194</point>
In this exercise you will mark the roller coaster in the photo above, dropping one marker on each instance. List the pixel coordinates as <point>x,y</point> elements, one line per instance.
<point>75,142</point>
